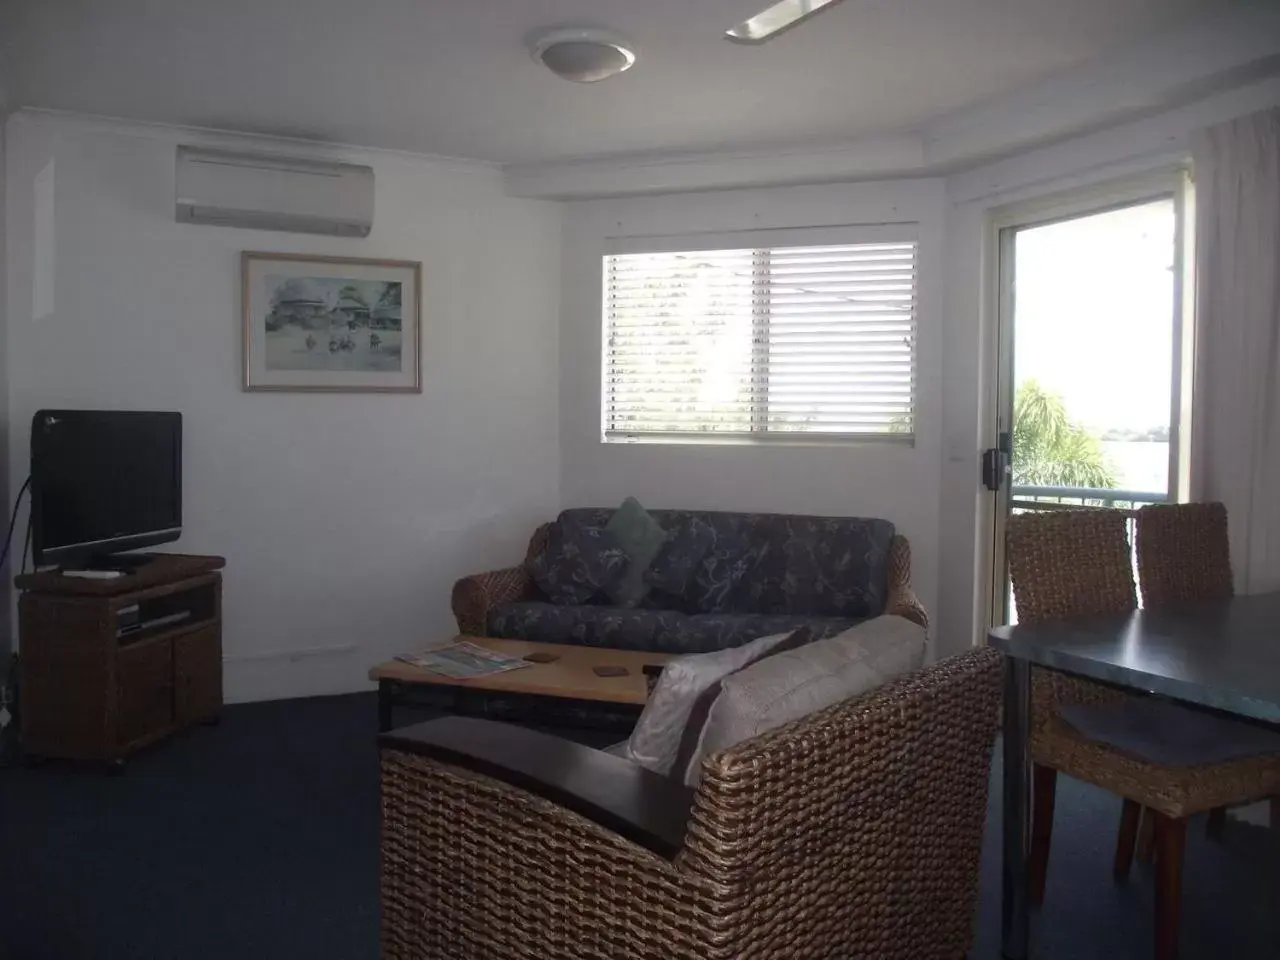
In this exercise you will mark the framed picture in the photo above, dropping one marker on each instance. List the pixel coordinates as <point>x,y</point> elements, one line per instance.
<point>331,323</point>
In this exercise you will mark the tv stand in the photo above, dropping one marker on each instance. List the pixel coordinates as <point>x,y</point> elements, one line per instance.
<point>110,666</point>
<point>113,562</point>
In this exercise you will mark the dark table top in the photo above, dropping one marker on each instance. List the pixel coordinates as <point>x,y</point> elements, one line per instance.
<point>1222,654</point>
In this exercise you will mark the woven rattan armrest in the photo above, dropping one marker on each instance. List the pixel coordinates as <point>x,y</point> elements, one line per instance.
<point>474,596</point>
<point>637,804</point>
<point>902,600</point>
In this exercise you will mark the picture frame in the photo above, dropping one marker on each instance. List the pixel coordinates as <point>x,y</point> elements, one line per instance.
<point>317,324</point>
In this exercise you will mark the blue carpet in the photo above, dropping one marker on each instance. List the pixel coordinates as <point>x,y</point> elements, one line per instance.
<point>258,838</point>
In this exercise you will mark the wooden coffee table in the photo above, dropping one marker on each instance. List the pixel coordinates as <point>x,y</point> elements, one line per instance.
<point>571,677</point>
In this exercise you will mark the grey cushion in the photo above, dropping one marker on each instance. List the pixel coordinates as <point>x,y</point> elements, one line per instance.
<point>791,685</point>
<point>578,563</point>
<point>715,631</point>
<point>655,740</point>
<point>641,537</point>
<point>1170,734</point>
<point>588,625</point>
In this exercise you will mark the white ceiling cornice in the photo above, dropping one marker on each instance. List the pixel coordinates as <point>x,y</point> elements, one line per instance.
<point>1165,72</point>
<point>863,159</point>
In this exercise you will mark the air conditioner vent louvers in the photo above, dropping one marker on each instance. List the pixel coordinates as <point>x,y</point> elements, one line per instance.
<point>265,192</point>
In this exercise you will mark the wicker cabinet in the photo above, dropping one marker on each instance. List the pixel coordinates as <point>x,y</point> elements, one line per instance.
<point>109,666</point>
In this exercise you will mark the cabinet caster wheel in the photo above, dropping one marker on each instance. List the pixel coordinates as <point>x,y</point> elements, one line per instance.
<point>211,721</point>
<point>31,761</point>
<point>115,767</point>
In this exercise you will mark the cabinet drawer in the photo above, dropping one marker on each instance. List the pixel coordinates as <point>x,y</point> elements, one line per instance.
<point>144,691</point>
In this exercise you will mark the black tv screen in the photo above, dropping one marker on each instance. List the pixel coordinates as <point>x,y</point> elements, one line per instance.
<point>103,482</point>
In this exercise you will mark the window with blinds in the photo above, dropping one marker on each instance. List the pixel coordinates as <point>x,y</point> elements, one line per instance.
<point>761,344</point>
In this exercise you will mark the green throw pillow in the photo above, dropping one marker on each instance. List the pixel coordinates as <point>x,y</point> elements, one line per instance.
<point>640,536</point>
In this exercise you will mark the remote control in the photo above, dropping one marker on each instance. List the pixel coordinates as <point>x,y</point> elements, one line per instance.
<point>93,574</point>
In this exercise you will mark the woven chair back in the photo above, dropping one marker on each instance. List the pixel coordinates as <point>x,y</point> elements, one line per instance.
<point>1066,564</point>
<point>1184,553</point>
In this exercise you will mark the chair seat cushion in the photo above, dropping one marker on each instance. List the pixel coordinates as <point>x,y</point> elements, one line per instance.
<point>1169,734</point>
<point>716,631</point>
<point>626,629</point>
<point>1175,791</point>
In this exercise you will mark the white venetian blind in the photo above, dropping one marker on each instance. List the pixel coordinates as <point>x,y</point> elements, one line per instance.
<point>761,344</point>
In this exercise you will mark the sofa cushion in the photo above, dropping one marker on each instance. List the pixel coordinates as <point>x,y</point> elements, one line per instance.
<point>716,631</point>
<point>832,566</point>
<point>641,537</point>
<point>796,683</point>
<point>589,625</point>
<point>655,741</point>
<point>678,560</point>
<point>579,562</point>
<point>778,563</point>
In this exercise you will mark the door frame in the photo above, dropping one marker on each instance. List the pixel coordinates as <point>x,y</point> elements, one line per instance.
<point>1170,181</point>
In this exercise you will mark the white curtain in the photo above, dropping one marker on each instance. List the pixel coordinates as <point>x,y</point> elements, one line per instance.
<point>1236,394</point>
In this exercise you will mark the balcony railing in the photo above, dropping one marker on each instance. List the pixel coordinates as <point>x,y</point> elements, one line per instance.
<point>1065,498</point>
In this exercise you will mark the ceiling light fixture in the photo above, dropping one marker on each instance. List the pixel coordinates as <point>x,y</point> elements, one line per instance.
<point>781,16</point>
<point>582,55</point>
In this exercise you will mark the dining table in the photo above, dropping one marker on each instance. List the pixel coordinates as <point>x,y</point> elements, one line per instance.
<point>1222,654</point>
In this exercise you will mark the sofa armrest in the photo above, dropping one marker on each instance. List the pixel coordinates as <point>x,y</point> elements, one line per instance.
<point>474,596</point>
<point>649,810</point>
<point>901,600</point>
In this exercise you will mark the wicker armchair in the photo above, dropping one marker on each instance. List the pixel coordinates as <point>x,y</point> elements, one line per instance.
<point>474,596</point>
<point>1076,563</point>
<point>854,832</point>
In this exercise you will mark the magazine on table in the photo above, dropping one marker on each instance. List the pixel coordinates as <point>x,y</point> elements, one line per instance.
<point>462,660</point>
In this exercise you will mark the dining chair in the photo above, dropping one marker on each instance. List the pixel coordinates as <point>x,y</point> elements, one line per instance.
<point>1068,564</point>
<point>1184,556</point>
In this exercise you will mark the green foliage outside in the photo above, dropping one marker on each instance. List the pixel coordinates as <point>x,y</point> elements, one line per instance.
<point>1052,450</point>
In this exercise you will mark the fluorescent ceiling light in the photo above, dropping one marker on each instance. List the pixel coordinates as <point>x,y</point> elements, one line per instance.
<point>781,16</point>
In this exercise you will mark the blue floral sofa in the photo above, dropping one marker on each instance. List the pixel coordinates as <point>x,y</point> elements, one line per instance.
<point>722,579</point>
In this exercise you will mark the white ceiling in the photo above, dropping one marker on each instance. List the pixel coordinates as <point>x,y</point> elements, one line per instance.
<point>451,77</point>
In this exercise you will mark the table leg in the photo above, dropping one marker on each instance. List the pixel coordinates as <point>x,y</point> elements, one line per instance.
<point>384,706</point>
<point>1017,790</point>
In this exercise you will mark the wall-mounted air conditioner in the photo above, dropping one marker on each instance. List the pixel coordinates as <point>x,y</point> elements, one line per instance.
<point>265,192</point>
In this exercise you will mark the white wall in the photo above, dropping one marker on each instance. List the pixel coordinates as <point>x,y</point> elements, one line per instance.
<point>898,483</point>
<point>344,518</point>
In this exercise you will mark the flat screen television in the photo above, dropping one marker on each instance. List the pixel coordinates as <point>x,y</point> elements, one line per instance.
<point>103,482</point>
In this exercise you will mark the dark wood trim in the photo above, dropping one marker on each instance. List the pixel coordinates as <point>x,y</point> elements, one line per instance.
<point>386,704</point>
<point>647,809</point>
<point>166,570</point>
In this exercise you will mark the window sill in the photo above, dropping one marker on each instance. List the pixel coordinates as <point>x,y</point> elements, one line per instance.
<point>772,440</point>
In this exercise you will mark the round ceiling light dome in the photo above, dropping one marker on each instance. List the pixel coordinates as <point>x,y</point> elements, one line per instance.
<point>582,55</point>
